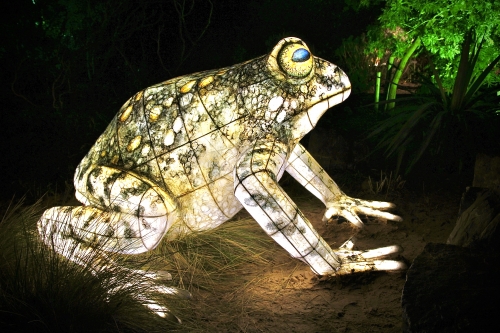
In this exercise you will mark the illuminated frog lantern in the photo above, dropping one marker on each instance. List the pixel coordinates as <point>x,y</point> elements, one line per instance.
<point>187,154</point>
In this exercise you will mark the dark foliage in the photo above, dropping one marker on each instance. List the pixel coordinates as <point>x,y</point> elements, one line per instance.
<point>450,127</point>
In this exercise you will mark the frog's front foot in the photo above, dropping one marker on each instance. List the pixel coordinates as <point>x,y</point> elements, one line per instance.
<point>349,208</point>
<point>353,261</point>
<point>158,308</point>
<point>153,283</point>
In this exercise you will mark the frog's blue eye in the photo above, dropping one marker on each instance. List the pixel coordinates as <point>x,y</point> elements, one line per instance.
<point>295,60</point>
<point>301,55</point>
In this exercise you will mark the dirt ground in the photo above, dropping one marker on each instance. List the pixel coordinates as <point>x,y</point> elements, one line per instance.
<point>285,296</point>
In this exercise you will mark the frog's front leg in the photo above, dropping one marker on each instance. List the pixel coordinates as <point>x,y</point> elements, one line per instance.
<point>304,168</point>
<point>257,188</point>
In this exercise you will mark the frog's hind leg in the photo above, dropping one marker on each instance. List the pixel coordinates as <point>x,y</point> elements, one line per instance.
<point>124,213</point>
<point>79,233</point>
<point>85,234</point>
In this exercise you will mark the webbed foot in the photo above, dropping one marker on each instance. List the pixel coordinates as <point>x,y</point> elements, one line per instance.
<point>355,261</point>
<point>349,208</point>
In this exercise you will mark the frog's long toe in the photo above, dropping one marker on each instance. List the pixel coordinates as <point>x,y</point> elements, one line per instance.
<point>152,275</point>
<point>378,213</point>
<point>158,308</point>
<point>377,209</point>
<point>354,261</point>
<point>177,292</point>
<point>382,251</point>
<point>161,311</point>
<point>366,266</point>
<point>346,250</point>
<point>154,281</point>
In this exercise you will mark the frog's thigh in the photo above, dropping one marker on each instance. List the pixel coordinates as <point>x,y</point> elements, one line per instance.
<point>68,228</point>
<point>136,216</point>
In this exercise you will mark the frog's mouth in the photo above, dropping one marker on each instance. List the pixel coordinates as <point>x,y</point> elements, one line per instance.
<point>306,121</point>
<point>319,108</point>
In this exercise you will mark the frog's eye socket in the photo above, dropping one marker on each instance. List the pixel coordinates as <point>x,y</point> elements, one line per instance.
<point>295,60</point>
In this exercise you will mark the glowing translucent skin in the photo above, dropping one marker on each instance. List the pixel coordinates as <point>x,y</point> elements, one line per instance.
<point>187,154</point>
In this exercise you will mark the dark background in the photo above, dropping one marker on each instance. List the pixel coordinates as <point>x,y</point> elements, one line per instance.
<point>67,66</point>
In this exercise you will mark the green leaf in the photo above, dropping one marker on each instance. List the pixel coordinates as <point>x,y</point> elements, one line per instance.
<point>434,127</point>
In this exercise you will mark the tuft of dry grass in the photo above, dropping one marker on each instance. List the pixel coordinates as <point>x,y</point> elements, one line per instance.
<point>387,183</point>
<point>199,259</point>
<point>42,291</point>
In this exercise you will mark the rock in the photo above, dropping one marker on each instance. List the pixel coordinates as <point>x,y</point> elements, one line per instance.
<point>478,219</point>
<point>452,289</point>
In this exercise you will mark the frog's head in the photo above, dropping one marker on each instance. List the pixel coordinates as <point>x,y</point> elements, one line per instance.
<point>310,85</point>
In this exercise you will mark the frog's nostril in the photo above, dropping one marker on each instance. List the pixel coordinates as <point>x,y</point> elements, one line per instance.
<point>301,55</point>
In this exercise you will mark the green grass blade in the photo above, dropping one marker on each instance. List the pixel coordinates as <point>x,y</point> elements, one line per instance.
<point>435,125</point>
<point>408,127</point>
<point>464,73</point>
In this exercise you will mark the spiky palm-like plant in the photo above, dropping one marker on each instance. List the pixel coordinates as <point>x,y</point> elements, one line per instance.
<point>449,124</point>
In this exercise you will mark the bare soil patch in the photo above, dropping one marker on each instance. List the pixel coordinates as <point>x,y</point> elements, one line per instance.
<point>285,296</point>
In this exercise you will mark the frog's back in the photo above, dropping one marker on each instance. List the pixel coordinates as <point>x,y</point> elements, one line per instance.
<point>183,133</point>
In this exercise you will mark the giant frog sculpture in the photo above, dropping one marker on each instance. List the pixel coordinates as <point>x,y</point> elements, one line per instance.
<point>187,154</point>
